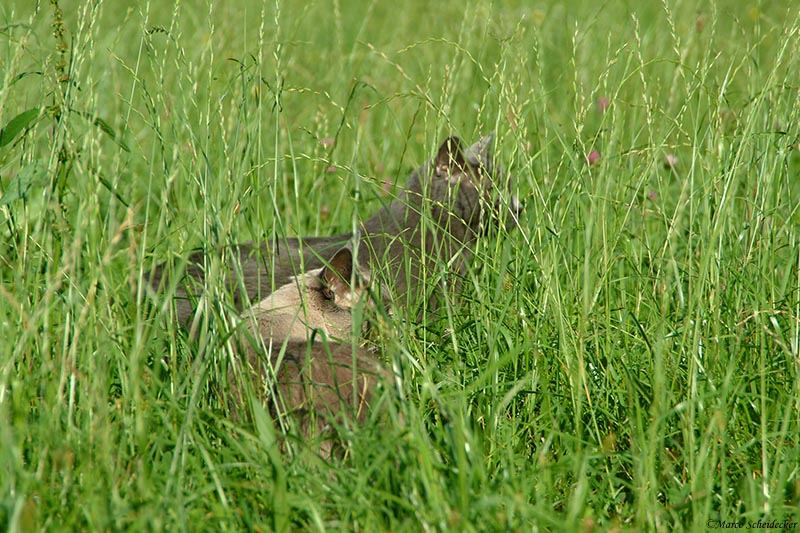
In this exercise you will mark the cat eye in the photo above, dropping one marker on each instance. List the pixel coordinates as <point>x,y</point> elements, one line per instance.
<point>327,293</point>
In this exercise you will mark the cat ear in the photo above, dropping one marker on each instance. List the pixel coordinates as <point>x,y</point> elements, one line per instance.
<point>336,275</point>
<point>481,154</point>
<point>449,158</point>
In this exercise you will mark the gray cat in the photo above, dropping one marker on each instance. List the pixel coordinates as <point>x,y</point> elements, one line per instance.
<point>444,206</point>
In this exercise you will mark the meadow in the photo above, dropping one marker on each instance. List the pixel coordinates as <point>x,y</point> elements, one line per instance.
<point>628,358</point>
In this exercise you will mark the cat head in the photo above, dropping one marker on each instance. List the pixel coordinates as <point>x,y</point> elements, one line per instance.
<point>319,301</point>
<point>467,186</point>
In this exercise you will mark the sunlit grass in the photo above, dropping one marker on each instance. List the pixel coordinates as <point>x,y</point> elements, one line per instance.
<point>626,358</point>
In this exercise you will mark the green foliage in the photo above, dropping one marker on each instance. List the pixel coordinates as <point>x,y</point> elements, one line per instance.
<point>16,125</point>
<point>627,358</point>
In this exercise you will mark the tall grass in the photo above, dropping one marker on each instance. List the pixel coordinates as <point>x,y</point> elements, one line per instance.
<point>627,358</point>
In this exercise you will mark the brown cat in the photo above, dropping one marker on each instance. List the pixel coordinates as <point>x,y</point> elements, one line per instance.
<point>400,242</point>
<point>317,303</point>
<point>316,379</point>
<point>283,260</point>
<point>316,383</point>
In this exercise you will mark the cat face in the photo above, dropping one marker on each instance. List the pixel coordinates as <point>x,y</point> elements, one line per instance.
<point>467,185</point>
<point>491,178</point>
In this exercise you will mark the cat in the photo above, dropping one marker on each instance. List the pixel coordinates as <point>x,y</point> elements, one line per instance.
<point>400,241</point>
<point>318,384</point>
<point>436,217</point>
<point>260,264</point>
<point>318,303</point>
<point>444,207</point>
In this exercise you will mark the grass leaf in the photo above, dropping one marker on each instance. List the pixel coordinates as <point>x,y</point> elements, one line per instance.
<point>108,130</point>
<point>104,126</point>
<point>20,185</point>
<point>17,124</point>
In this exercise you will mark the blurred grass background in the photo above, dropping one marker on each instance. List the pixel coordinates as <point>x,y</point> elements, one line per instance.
<point>626,359</point>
